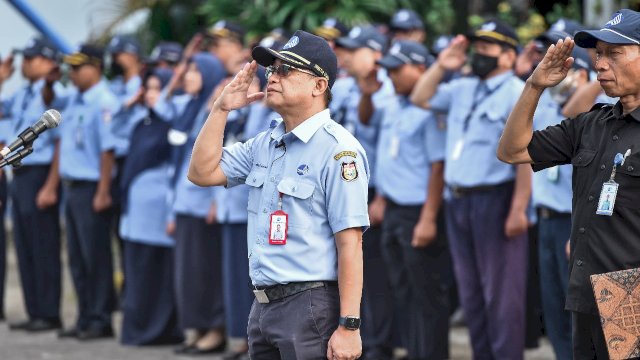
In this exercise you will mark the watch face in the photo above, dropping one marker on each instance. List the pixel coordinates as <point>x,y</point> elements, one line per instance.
<point>352,323</point>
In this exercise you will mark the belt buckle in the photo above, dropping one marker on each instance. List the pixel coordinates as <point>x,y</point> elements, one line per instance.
<point>261,296</point>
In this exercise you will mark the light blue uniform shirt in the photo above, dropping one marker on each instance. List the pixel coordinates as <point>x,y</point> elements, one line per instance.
<point>232,203</point>
<point>410,141</point>
<point>86,132</point>
<point>191,199</point>
<point>344,110</point>
<point>148,208</point>
<point>474,163</point>
<point>23,110</point>
<point>551,187</point>
<point>322,172</point>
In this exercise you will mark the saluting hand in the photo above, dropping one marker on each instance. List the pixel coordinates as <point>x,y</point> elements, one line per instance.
<point>455,55</point>
<point>554,66</point>
<point>369,84</point>
<point>6,68</point>
<point>235,94</point>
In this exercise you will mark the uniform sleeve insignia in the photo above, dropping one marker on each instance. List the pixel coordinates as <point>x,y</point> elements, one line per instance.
<point>342,154</point>
<point>349,171</point>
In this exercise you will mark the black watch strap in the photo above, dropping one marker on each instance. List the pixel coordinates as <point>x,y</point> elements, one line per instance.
<point>350,322</point>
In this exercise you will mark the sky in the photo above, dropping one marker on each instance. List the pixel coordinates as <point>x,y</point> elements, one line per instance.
<point>73,20</point>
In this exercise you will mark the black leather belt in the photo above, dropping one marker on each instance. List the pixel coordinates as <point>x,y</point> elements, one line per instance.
<point>266,294</point>
<point>78,183</point>
<point>459,192</point>
<point>547,213</point>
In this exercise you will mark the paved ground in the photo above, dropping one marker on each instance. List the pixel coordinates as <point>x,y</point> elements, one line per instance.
<point>22,346</point>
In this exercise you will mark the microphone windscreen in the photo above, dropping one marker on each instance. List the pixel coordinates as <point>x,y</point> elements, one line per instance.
<point>51,118</point>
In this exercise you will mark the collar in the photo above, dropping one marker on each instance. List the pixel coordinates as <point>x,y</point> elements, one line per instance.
<point>306,129</point>
<point>92,93</point>
<point>494,82</point>
<point>37,86</point>
<point>617,111</point>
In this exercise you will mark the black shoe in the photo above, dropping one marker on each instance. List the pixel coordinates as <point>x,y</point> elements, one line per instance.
<point>194,350</point>
<point>182,348</point>
<point>44,325</point>
<point>23,325</point>
<point>236,356</point>
<point>68,333</point>
<point>95,333</point>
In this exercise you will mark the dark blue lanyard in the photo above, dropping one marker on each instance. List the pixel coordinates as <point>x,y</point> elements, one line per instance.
<point>479,100</point>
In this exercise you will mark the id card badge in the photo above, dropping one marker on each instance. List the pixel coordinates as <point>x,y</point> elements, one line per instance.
<point>457,150</point>
<point>278,228</point>
<point>553,174</point>
<point>394,147</point>
<point>607,198</point>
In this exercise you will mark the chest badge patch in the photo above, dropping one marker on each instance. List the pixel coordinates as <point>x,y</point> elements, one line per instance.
<point>349,172</point>
<point>302,169</point>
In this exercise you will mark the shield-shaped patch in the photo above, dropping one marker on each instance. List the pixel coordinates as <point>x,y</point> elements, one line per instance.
<point>349,171</point>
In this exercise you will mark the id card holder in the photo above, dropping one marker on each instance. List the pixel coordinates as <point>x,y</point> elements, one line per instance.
<point>278,228</point>
<point>457,150</point>
<point>553,174</point>
<point>394,147</point>
<point>607,199</point>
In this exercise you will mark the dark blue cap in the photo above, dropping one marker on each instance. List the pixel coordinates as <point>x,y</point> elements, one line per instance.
<point>622,29</point>
<point>552,36</point>
<point>305,51</point>
<point>569,26</point>
<point>331,29</point>
<point>581,59</point>
<point>86,54</point>
<point>495,31</point>
<point>170,52</point>
<point>441,43</point>
<point>271,42</point>
<point>363,36</point>
<point>406,19</point>
<point>41,47</point>
<point>227,29</point>
<point>124,44</point>
<point>404,52</point>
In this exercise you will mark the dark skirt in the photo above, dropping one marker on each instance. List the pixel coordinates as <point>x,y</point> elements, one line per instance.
<point>198,274</point>
<point>149,307</point>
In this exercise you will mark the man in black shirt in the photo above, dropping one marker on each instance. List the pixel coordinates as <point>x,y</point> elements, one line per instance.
<point>595,143</point>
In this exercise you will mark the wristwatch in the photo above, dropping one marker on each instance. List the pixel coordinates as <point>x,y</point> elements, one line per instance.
<point>350,322</point>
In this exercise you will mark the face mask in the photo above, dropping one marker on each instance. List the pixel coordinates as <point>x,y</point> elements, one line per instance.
<point>116,69</point>
<point>565,89</point>
<point>482,65</point>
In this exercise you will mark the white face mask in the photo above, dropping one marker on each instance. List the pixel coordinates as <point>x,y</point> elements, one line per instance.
<point>565,89</point>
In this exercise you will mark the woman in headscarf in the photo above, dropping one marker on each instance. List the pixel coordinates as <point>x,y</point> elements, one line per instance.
<point>198,279</point>
<point>148,307</point>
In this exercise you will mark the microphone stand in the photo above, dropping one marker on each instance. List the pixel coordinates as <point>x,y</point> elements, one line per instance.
<point>15,159</point>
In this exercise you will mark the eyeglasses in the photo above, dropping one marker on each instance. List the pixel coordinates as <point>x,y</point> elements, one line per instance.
<point>284,70</point>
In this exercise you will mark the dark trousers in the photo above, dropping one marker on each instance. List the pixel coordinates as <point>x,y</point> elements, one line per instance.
<point>491,271</point>
<point>420,279</point>
<point>296,327</point>
<point>198,274</point>
<point>3,240</point>
<point>588,339</point>
<point>235,269</point>
<point>377,303</point>
<point>90,258</point>
<point>554,279</point>
<point>36,236</point>
<point>149,313</point>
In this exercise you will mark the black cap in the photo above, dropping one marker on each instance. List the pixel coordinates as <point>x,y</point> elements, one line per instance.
<point>86,54</point>
<point>622,29</point>
<point>363,36</point>
<point>404,52</point>
<point>331,29</point>
<point>170,52</point>
<point>305,51</point>
<point>227,29</point>
<point>497,32</point>
<point>124,44</point>
<point>406,19</point>
<point>569,26</point>
<point>41,47</point>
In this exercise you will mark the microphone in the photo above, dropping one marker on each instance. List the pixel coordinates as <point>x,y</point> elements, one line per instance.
<point>50,119</point>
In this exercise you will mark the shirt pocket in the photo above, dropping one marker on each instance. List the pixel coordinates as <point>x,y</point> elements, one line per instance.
<point>583,175</point>
<point>489,127</point>
<point>297,200</point>
<point>255,180</point>
<point>628,176</point>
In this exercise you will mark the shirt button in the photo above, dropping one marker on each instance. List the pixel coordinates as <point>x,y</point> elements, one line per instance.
<point>579,262</point>
<point>591,198</point>
<point>273,179</point>
<point>264,210</point>
<point>254,180</point>
<point>582,230</point>
<point>602,167</point>
<point>615,138</point>
<point>630,168</point>
<point>579,158</point>
<point>293,189</point>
